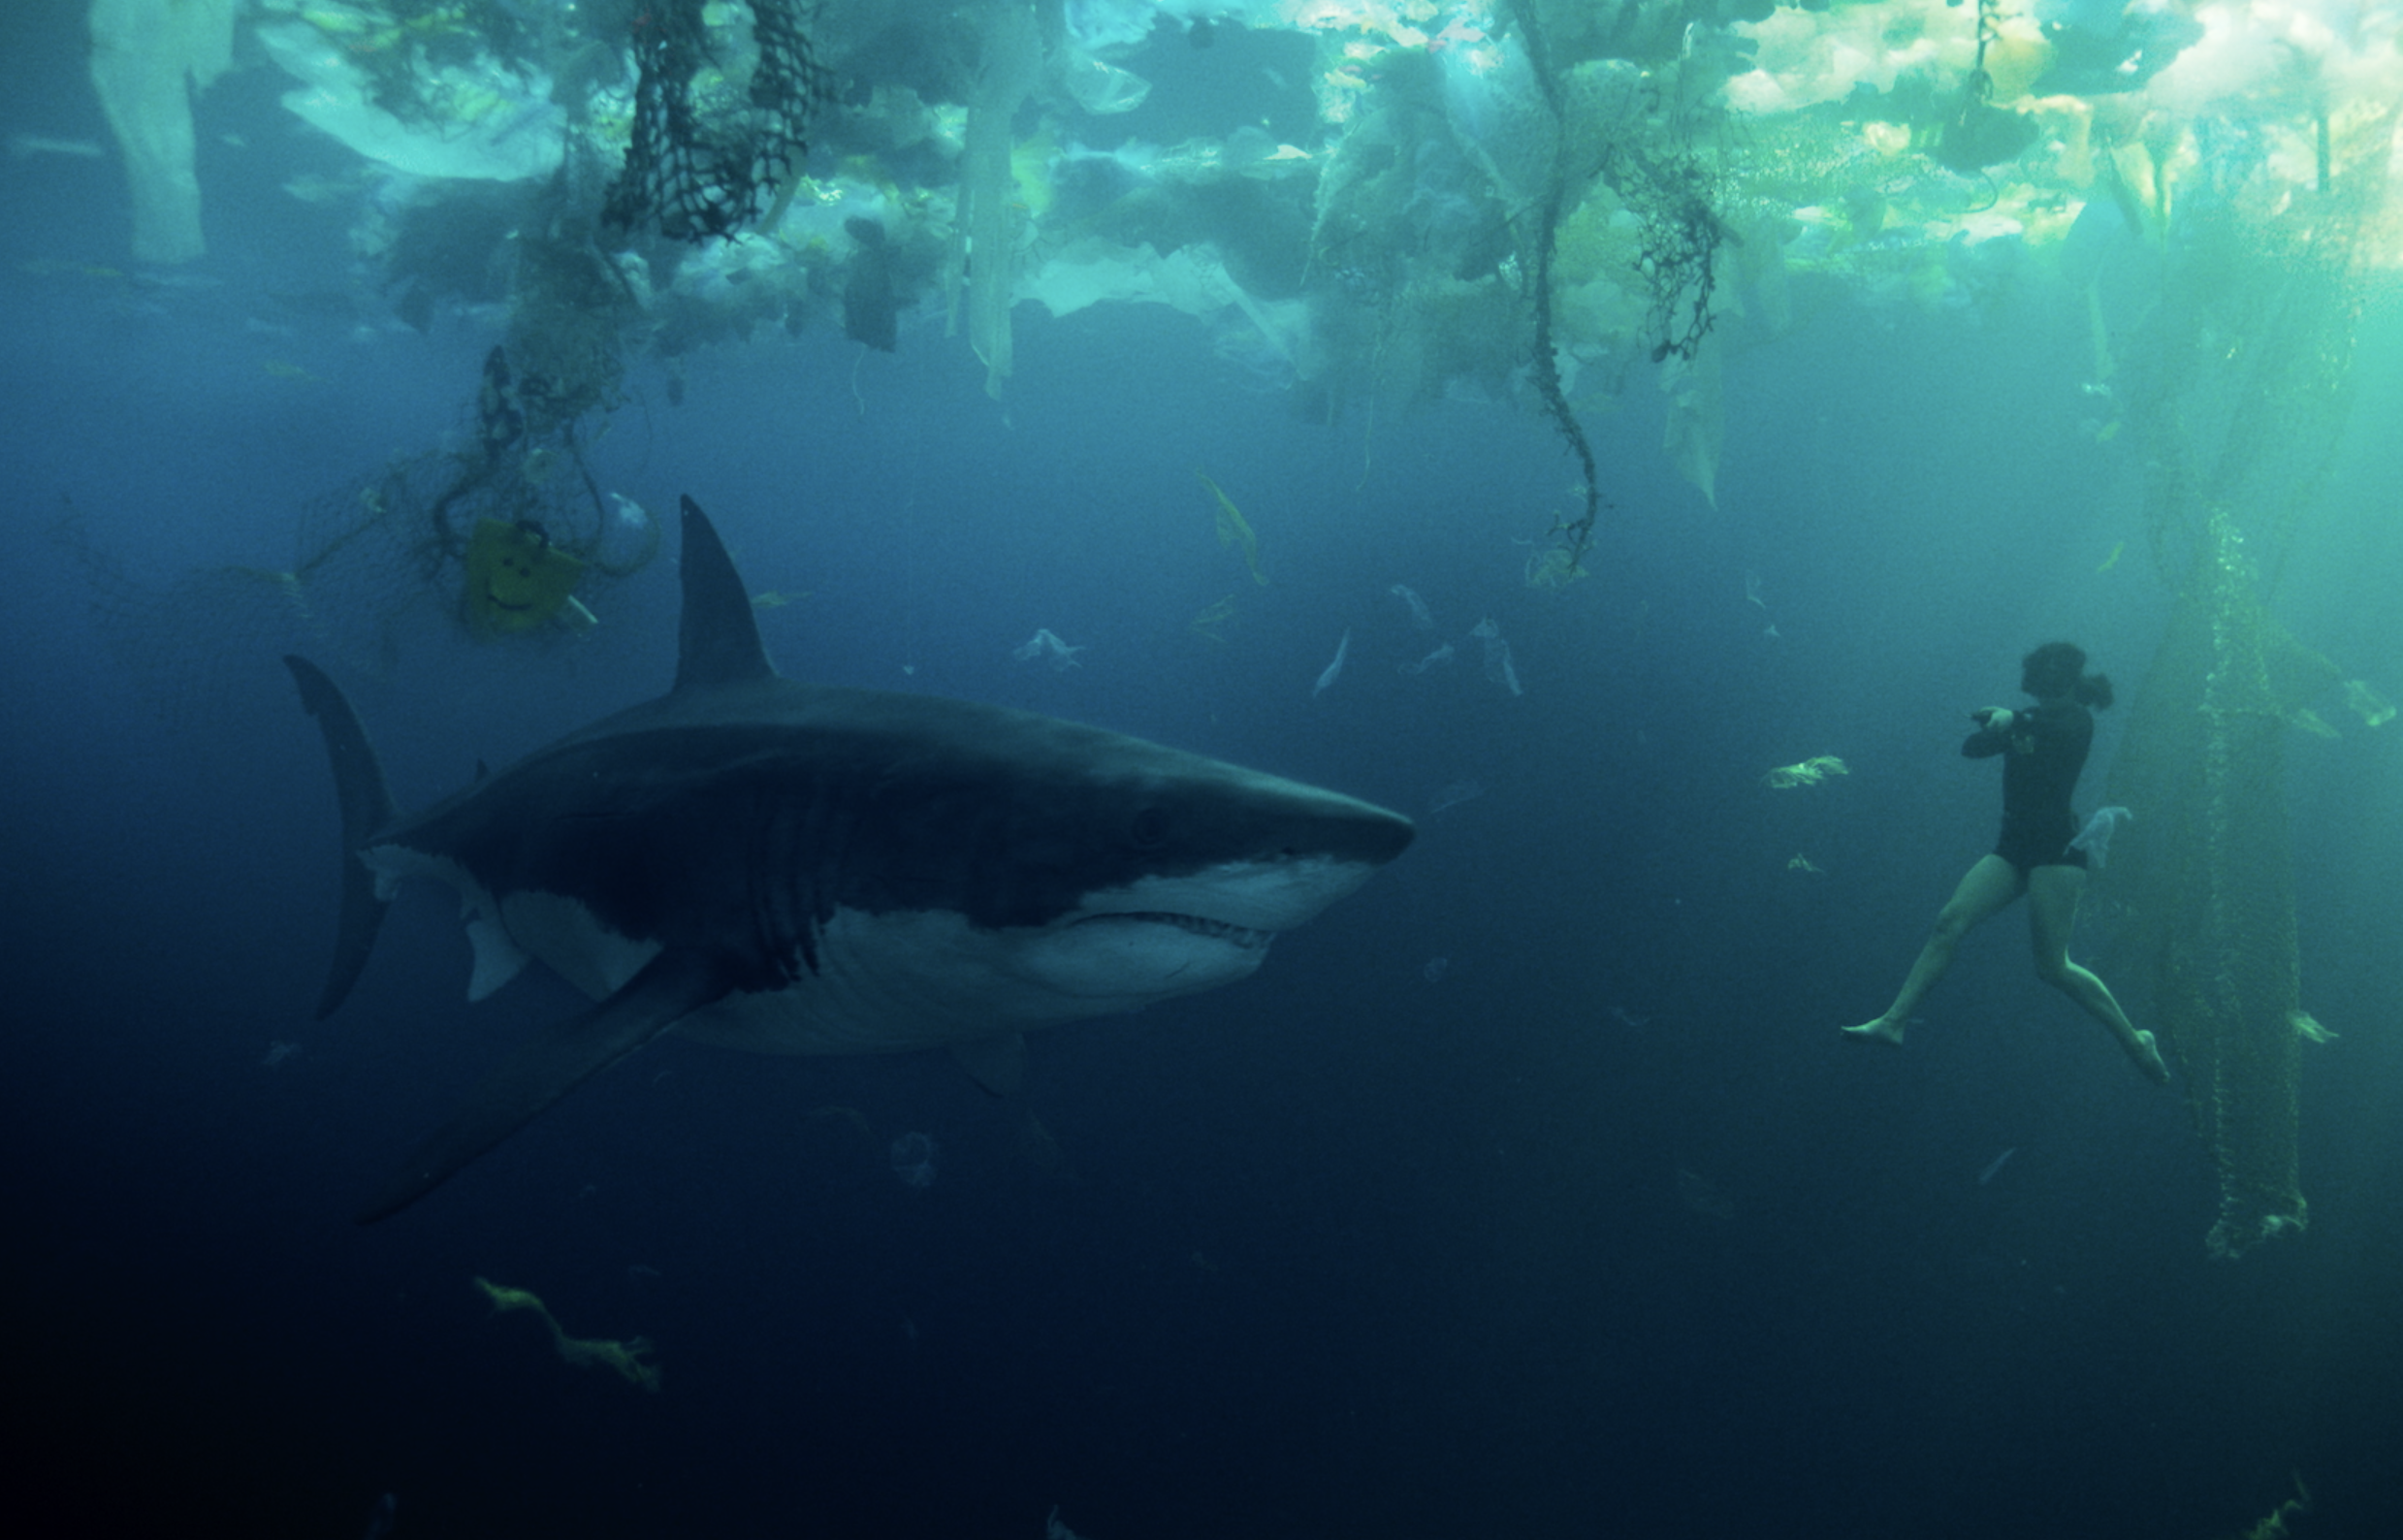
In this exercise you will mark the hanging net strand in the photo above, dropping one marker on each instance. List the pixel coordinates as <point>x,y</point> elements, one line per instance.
<point>2241,438</point>
<point>705,160</point>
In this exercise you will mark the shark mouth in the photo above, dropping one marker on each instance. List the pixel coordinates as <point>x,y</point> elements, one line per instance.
<point>1242,936</point>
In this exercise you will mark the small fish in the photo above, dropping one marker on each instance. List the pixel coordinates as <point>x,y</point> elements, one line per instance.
<point>1419,615</point>
<point>1441,654</point>
<point>1498,666</point>
<point>2111,561</point>
<point>1454,795</point>
<point>1334,670</point>
<point>1210,622</point>
<point>1994,1164</point>
<point>1234,531</point>
<point>1043,645</point>
<point>1808,773</point>
<point>2307,1029</point>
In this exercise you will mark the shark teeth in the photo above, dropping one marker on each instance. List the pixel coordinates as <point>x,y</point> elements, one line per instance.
<point>1242,936</point>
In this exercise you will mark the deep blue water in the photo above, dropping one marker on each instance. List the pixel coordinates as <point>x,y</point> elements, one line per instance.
<point>1604,1232</point>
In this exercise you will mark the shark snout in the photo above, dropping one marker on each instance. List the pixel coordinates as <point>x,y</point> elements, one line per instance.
<point>1383,834</point>
<point>1345,829</point>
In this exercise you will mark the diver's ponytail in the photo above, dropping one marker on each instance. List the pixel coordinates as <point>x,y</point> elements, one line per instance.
<point>2094,689</point>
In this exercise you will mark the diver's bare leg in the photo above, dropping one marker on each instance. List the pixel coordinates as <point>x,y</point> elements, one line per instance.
<point>1985,889</point>
<point>2053,894</point>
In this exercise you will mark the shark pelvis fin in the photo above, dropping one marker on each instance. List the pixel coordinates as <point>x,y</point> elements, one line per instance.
<point>997,1064</point>
<point>498,959</point>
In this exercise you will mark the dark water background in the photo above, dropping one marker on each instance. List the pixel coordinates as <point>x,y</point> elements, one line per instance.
<point>1602,1233</point>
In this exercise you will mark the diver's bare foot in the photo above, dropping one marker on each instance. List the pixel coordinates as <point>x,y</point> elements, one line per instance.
<point>2146,1051</point>
<point>1890,1031</point>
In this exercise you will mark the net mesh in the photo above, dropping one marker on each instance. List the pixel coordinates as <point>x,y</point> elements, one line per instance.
<point>710,151</point>
<point>383,570</point>
<point>2240,393</point>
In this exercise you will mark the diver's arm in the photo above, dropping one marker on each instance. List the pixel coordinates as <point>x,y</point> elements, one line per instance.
<point>1993,734</point>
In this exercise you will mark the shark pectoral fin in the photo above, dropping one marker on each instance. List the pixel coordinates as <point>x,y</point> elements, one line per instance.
<point>997,1064</point>
<point>554,1062</point>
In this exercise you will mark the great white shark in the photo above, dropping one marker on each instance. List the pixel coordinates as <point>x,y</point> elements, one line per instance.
<point>790,868</point>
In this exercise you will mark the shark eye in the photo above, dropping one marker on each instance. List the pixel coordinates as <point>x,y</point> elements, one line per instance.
<point>1149,829</point>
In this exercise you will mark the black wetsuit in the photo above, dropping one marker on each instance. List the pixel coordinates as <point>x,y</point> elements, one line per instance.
<point>2043,750</point>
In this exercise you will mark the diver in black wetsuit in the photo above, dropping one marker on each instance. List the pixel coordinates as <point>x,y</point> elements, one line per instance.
<point>2042,749</point>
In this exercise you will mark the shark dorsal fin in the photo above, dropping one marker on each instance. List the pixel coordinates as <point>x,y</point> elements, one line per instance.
<point>719,642</point>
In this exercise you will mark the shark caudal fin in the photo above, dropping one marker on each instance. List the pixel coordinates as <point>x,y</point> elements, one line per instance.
<point>718,642</point>
<point>359,786</point>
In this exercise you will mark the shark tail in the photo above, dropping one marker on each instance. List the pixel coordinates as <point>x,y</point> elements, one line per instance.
<point>367,806</point>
